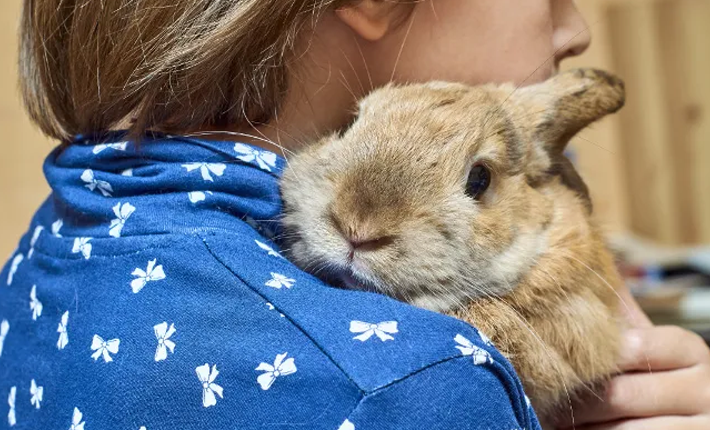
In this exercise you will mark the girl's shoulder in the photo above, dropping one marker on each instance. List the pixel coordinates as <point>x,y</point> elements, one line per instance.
<point>210,320</point>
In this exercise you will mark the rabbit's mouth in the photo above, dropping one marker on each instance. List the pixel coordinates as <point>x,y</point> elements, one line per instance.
<point>349,281</point>
<point>349,278</point>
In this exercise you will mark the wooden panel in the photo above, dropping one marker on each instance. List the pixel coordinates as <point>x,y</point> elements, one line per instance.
<point>598,149</point>
<point>673,50</point>
<point>645,123</point>
<point>688,23</point>
<point>651,177</point>
<point>22,185</point>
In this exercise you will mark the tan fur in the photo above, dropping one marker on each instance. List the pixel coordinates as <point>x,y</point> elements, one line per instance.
<point>525,263</point>
<point>559,326</point>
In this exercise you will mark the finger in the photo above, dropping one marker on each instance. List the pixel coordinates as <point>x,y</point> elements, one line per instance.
<point>661,348</point>
<point>660,423</point>
<point>631,310</point>
<point>642,395</point>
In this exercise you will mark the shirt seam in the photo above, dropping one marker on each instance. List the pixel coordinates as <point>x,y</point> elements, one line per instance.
<point>413,373</point>
<point>77,256</point>
<point>526,417</point>
<point>41,248</point>
<point>304,332</point>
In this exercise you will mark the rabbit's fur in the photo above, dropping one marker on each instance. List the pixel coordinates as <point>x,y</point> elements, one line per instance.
<point>525,263</point>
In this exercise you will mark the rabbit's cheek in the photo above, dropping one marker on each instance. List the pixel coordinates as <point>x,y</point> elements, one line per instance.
<point>508,267</point>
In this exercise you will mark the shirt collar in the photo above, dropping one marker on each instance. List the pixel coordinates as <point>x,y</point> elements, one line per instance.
<point>108,186</point>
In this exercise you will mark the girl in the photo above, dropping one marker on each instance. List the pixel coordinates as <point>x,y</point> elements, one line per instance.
<point>156,298</point>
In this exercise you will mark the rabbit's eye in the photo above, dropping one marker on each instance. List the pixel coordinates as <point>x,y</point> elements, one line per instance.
<point>478,181</point>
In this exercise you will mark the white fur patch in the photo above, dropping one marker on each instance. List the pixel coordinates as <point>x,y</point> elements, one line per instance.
<point>437,303</point>
<point>501,277</point>
<point>507,267</point>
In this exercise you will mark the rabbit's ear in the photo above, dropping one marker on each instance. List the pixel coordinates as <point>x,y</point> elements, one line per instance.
<point>565,104</point>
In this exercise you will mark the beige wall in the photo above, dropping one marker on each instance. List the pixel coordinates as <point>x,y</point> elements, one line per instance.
<point>653,176</point>
<point>599,148</point>
<point>22,185</point>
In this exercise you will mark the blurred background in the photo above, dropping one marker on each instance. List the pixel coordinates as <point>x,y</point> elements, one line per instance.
<point>648,167</point>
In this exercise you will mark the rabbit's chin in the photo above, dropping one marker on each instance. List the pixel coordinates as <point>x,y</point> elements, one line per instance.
<point>347,280</point>
<point>350,278</point>
<point>406,278</point>
<point>437,303</point>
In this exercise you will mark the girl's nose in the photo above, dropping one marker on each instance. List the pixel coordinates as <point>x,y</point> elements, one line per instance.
<point>571,35</point>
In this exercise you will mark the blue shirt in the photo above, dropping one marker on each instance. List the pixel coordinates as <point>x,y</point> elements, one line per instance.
<point>148,295</point>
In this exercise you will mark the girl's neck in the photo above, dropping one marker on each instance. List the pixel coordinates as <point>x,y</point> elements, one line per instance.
<point>337,74</point>
<point>301,121</point>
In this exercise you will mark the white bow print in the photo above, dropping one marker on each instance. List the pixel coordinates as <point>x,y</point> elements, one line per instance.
<point>35,304</point>
<point>209,388</point>
<point>485,338</point>
<point>11,418</point>
<point>278,281</point>
<point>381,330</point>
<point>76,423</point>
<point>81,244</point>
<point>13,268</point>
<point>4,328</point>
<point>479,355</point>
<point>92,183</point>
<point>35,237</point>
<point>62,330</point>
<point>269,250</point>
<point>206,169</point>
<point>37,393</point>
<point>56,226</point>
<point>346,425</point>
<point>272,307</point>
<point>265,160</point>
<point>122,212</point>
<point>120,146</point>
<point>152,273</point>
<point>103,347</point>
<point>198,196</point>
<point>163,333</point>
<point>281,367</point>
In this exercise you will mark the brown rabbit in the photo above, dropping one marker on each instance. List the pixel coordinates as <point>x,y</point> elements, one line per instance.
<point>459,199</point>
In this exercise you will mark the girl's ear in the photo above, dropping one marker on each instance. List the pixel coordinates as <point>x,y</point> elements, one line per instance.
<point>373,19</point>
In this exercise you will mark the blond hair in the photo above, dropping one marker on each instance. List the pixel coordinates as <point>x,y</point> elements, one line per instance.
<point>90,66</point>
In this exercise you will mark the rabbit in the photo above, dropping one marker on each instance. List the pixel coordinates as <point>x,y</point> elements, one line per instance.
<point>459,199</point>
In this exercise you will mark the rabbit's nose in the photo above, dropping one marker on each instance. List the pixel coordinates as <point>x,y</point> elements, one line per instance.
<point>359,237</point>
<point>364,243</point>
<point>359,243</point>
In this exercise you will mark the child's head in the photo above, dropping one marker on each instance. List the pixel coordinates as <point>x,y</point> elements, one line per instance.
<point>193,64</point>
<point>477,41</point>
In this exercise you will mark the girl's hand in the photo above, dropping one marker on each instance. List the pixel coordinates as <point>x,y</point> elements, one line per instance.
<point>666,384</point>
